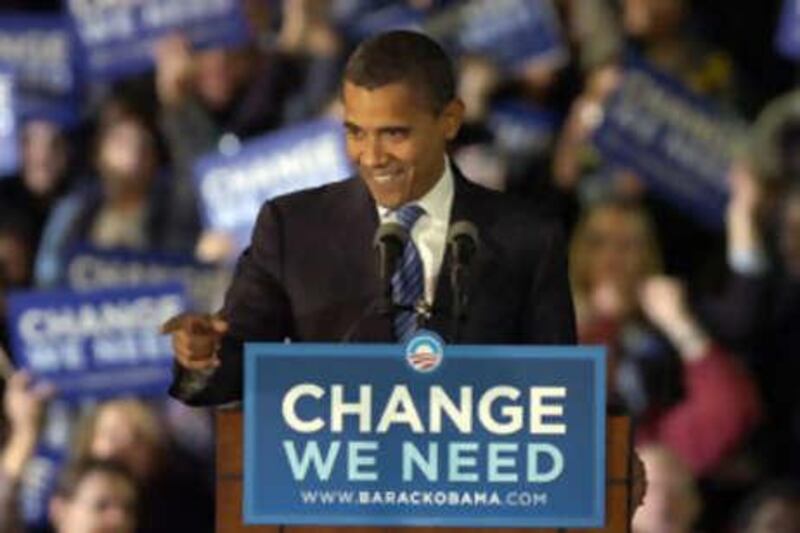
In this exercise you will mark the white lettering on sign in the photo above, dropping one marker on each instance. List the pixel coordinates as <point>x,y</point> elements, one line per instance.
<point>500,410</point>
<point>44,324</point>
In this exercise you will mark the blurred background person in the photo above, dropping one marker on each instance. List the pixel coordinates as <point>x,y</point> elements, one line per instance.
<point>125,207</point>
<point>24,407</point>
<point>659,31</point>
<point>96,497</point>
<point>16,264</point>
<point>315,50</point>
<point>213,99</point>
<point>760,305</point>
<point>772,508</point>
<point>672,501</point>
<point>122,471</point>
<point>43,178</point>
<point>686,391</point>
<point>131,432</point>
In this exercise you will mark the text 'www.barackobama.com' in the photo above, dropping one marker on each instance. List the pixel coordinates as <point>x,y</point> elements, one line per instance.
<point>440,498</point>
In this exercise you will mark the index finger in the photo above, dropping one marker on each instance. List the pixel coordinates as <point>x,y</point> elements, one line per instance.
<point>194,324</point>
<point>173,324</point>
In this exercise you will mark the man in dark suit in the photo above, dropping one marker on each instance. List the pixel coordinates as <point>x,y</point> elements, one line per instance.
<point>310,272</point>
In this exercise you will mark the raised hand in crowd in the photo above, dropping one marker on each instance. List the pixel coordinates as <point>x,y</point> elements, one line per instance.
<point>196,339</point>
<point>24,405</point>
<point>215,246</point>
<point>744,237</point>
<point>173,69</point>
<point>584,116</point>
<point>307,28</point>
<point>721,403</point>
<point>663,300</point>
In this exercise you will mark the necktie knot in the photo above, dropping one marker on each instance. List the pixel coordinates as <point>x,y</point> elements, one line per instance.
<point>408,215</point>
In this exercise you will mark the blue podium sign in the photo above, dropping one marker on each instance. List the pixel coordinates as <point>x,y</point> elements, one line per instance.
<point>97,344</point>
<point>424,434</point>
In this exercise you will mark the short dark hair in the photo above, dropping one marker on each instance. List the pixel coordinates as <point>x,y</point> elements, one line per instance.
<point>404,56</point>
<point>74,474</point>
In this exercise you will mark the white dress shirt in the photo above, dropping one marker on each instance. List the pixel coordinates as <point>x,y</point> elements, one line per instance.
<point>430,232</point>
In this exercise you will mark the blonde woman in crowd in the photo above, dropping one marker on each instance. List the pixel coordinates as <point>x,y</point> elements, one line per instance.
<point>131,432</point>
<point>624,301</point>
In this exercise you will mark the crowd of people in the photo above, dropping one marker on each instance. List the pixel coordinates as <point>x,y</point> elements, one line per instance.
<point>700,320</point>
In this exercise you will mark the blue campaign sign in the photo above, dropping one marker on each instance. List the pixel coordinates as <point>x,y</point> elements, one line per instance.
<point>38,485</point>
<point>389,17</point>
<point>39,50</point>
<point>675,140</point>
<point>100,343</point>
<point>232,188</point>
<point>522,128</point>
<point>89,269</point>
<point>117,37</point>
<point>348,14</point>
<point>787,38</point>
<point>424,434</point>
<point>515,33</point>
<point>9,142</point>
<point>41,473</point>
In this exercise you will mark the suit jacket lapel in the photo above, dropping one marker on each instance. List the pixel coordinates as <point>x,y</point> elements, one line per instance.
<point>360,221</point>
<point>466,206</point>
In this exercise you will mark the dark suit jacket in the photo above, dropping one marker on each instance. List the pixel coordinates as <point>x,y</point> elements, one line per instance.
<point>310,273</point>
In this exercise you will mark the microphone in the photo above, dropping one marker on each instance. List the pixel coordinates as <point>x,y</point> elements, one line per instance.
<point>463,244</point>
<point>389,243</point>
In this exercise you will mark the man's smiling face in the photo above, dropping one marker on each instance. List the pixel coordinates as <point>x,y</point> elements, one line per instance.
<point>396,140</point>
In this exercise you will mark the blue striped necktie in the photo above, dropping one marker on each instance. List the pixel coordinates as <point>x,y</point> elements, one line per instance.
<point>407,282</point>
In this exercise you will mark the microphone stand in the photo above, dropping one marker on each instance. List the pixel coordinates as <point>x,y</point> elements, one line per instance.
<point>371,307</point>
<point>458,310</point>
<point>462,243</point>
<point>380,306</point>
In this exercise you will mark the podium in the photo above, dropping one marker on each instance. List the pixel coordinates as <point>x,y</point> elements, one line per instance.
<point>229,464</point>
